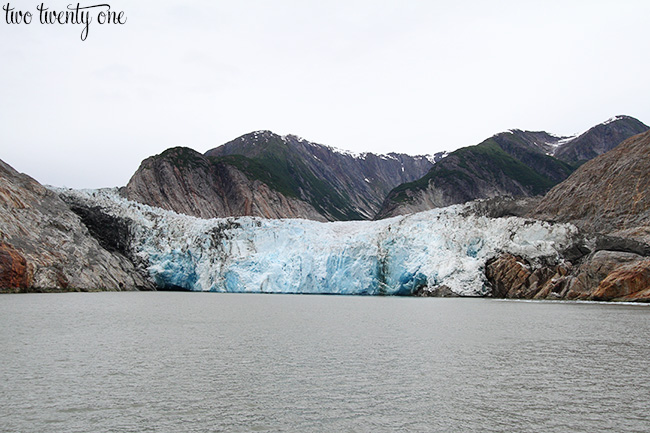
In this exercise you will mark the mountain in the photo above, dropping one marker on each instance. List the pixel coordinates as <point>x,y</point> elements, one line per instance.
<point>272,176</point>
<point>599,139</point>
<point>608,198</point>
<point>608,193</point>
<point>515,163</point>
<point>340,185</point>
<point>45,246</point>
<point>595,246</point>
<point>185,181</point>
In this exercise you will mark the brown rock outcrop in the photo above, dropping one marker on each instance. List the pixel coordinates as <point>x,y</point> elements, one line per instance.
<point>611,195</point>
<point>629,282</point>
<point>514,278</point>
<point>14,272</point>
<point>594,269</point>
<point>603,276</point>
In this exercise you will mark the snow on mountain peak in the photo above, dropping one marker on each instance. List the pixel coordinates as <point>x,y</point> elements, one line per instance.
<point>437,157</point>
<point>613,119</point>
<point>353,154</point>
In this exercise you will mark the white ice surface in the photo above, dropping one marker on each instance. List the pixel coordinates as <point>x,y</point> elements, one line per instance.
<point>392,256</point>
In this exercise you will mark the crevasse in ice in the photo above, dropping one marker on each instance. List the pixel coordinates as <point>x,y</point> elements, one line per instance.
<point>392,256</point>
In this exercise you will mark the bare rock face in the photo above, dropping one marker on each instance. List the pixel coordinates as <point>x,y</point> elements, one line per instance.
<point>608,193</point>
<point>602,276</point>
<point>44,246</point>
<point>600,139</point>
<point>595,268</point>
<point>514,278</point>
<point>183,180</point>
<point>14,272</point>
<point>630,282</point>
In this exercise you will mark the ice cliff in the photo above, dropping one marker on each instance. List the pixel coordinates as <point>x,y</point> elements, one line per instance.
<point>394,256</point>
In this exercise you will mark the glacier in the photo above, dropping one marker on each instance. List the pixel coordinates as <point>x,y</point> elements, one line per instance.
<point>395,256</point>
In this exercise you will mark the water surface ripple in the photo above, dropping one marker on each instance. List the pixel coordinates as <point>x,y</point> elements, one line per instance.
<point>197,362</point>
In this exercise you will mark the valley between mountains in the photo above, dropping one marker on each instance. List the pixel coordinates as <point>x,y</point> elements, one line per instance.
<point>522,214</point>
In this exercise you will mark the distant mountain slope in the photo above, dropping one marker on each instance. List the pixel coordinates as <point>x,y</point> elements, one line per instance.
<point>185,181</point>
<point>608,193</point>
<point>339,185</point>
<point>600,139</point>
<point>516,163</point>
<point>510,163</point>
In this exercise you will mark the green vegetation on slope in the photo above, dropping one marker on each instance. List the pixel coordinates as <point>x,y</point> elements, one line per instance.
<point>460,168</point>
<point>275,165</point>
<point>183,157</point>
<point>255,170</point>
<point>496,159</point>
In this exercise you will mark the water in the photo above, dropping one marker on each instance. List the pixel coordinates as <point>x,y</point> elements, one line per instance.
<point>198,362</point>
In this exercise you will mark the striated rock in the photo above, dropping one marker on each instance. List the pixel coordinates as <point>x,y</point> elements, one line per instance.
<point>603,276</point>
<point>608,193</point>
<point>183,180</point>
<point>515,278</point>
<point>44,245</point>
<point>509,276</point>
<point>639,233</point>
<point>629,282</point>
<point>586,277</point>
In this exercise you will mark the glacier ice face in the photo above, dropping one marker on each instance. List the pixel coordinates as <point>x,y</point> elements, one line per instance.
<point>392,256</point>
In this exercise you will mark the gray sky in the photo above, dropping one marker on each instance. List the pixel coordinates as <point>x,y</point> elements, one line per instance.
<point>380,76</point>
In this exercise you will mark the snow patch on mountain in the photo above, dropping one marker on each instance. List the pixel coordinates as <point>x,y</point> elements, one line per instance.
<point>613,119</point>
<point>437,157</point>
<point>556,144</point>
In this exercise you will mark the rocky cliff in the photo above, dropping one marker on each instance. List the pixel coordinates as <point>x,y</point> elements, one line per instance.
<point>183,180</point>
<point>600,276</point>
<point>608,193</point>
<point>516,163</point>
<point>609,199</point>
<point>45,246</point>
<point>340,185</point>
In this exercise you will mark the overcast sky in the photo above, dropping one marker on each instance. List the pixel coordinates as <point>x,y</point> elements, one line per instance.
<point>369,75</point>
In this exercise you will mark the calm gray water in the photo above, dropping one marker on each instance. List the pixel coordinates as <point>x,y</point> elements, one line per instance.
<point>195,362</point>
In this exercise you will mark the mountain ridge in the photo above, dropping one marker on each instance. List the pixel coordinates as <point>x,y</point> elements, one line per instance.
<point>516,163</point>
<point>272,176</point>
<point>342,185</point>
